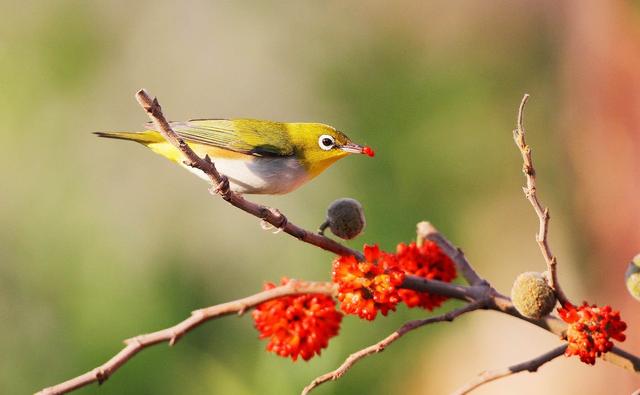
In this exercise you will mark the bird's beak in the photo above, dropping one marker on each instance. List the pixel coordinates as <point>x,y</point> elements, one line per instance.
<point>357,149</point>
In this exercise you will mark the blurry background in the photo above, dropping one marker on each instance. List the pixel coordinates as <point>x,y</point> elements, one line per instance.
<point>102,240</point>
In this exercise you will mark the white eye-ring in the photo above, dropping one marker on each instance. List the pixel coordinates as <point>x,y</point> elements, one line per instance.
<point>326,142</point>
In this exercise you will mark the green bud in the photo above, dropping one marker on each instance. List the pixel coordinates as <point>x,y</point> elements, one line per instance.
<point>532,296</point>
<point>632,277</point>
<point>345,218</point>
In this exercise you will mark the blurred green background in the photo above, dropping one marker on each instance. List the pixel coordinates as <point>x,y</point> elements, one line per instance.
<point>102,240</point>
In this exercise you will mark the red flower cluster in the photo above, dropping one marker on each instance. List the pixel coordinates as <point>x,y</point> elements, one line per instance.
<point>297,325</point>
<point>590,328</point>
<point>426,261</point>
<point>366,287</point>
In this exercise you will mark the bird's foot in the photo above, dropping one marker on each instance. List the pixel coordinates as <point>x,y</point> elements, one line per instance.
<point>222,188</point>
<point>282,223</point>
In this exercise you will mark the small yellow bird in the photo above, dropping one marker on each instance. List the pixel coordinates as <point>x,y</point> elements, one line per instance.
<point>258,157</point>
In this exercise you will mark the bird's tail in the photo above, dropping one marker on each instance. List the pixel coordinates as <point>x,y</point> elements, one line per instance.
<point>145,137</point>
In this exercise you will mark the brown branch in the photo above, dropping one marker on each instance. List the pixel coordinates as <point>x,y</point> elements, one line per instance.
<point>442,288</point>
<point>221,184</point>
<point>530,366</point>
<point>550,323</point>
<point>480,293</point>
<point>530,192</point>
<point>172,334</point>
<point>427,231</point>
<point>484,294</point>
<point>384,343</point>
<point>503,304</point>
<point>496,301</point>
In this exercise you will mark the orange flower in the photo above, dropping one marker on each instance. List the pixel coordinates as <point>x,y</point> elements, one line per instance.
<point>366,287</point>
<point>426,261</point>
<point>590,328</point>
<point>298,325</point>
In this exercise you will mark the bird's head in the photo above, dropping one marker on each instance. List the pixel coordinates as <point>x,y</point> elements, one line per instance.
<point>318,146</point>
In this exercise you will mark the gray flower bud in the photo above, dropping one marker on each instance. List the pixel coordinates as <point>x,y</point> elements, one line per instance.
<point>345,218</point>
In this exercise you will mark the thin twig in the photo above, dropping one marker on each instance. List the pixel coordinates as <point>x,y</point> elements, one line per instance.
<point>221,184</point>
<point>529,366</point>
<point>496,302</point>
<point>530,192</point>
<point>437,287</point>
<point>622,358</point>
<point>499,302</point>
<point>550,323</point>
<point>427,231</point>
<point>172,334</point>
<point>384,343</point>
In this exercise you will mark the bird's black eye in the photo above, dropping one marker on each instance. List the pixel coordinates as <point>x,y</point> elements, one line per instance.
<point>326,142</point>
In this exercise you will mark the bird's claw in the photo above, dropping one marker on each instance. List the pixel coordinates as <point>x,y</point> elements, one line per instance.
<point>222,188</point>
<point>277,228</point>
<point>283,219</point>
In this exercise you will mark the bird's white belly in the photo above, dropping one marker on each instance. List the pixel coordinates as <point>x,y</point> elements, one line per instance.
<point>259,175</point>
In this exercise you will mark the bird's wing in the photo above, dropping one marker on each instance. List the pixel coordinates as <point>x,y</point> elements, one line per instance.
<point>246,136</point>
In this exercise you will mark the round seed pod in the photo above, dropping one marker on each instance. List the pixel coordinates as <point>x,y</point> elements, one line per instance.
<point>345,218</point>
<point>632,277</point>
<point>532,296</point>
